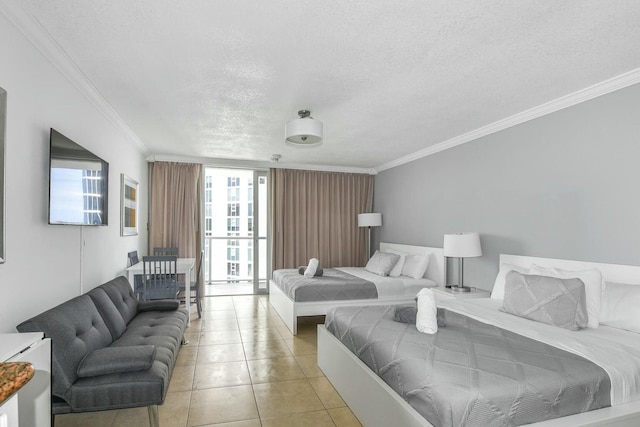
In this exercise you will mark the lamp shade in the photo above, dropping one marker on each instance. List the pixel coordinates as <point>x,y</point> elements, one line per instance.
<point>369,220</point>
<point>462,245</point>
<point>303,132</point>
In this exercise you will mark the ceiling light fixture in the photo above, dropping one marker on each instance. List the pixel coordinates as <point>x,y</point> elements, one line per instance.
<point>304,131</point>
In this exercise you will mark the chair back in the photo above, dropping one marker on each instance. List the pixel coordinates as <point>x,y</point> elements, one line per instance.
<point>199,268</point>
<point>133,258</point>
<point>159,277</point>
<point>137,278</point>
<point>165,251</point>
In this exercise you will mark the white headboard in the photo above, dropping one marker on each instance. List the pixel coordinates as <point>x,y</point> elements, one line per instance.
<point>610,272</point>
<point>436,270</point>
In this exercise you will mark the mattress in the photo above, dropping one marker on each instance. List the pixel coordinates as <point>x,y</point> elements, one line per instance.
<point>471,373</point>
<point>346,283</point>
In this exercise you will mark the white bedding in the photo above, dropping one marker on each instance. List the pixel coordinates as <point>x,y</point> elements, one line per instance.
<point>615,350</point>
<point>391,287</point>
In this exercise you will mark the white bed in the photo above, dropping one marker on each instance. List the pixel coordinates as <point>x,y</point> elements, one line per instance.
<point>290,310</point>
<point>376,404</point>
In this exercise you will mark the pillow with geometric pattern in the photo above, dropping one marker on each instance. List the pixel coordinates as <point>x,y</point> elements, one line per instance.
<point>381,263</point>
<point>550,300</point>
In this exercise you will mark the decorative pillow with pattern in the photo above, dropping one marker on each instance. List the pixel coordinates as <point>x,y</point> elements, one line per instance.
<point>593,284</point>
<point>381,263</point>
<point>551,300</point>
<point>396,271</point>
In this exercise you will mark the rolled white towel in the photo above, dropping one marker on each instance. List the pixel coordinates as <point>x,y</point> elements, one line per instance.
<point>312,267</point>
<point>427,316</point>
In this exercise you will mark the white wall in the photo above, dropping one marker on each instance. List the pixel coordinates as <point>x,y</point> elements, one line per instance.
<point>48,264</point>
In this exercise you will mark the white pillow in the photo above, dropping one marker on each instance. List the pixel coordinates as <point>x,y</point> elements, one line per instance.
<point>592,285</point>
<point>498,286</point>
<point>415,266</point>
<point>620,306</point>
<point>396,271</point>
<point>381,263</point>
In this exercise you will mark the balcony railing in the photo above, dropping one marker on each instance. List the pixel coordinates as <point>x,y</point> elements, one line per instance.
<point>219,267</point>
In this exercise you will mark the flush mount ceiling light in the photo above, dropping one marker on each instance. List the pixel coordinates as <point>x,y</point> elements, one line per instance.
<point>304,131</point>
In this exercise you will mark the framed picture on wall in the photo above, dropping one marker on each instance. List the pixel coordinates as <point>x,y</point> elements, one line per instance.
<point>128,206</point>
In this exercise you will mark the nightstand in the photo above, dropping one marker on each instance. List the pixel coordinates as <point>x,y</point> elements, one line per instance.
<point>445,293</point>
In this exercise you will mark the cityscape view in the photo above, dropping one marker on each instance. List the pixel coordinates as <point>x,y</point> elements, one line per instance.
<point>235,229</point>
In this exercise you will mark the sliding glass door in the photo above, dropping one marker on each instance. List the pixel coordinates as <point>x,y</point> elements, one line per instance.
<point>235,231</point>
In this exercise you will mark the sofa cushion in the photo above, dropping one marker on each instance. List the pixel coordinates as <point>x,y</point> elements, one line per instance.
<point>110,314</point>
<point>121,390</point>
<point>113,360</point>
<point>122,296</point>
<point>76,329</point>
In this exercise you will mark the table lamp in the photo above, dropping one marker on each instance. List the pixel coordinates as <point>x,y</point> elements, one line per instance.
<point>461,246</point>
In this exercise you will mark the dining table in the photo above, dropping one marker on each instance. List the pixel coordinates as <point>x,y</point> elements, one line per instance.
<point>183,266</point>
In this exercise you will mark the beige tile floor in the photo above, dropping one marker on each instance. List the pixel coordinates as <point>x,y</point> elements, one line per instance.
<point>241,368</point>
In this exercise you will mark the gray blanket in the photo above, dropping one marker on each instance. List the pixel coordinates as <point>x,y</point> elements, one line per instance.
<point>470,373</point>
<point>331,286</point>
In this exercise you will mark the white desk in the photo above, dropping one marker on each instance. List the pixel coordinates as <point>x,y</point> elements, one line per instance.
<point>184,266</point>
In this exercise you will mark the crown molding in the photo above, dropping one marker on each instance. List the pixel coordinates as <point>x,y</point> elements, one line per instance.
<point>599,89</point>
<point>251,164</point>
<point>42,40</point>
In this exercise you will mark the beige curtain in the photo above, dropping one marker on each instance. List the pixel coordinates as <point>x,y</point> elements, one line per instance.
<point>315,214</point>
<point>175,207</point>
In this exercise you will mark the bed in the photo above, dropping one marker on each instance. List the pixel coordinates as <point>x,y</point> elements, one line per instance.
<point>289,309</point>
<point>614,350</point>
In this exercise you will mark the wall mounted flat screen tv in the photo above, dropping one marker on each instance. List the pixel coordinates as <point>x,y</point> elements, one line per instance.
<point>78,184</point>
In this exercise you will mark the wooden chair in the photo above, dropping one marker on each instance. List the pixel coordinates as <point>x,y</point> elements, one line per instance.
<point>159,277</point>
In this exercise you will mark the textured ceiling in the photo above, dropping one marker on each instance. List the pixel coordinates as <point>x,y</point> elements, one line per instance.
<point>220,79</point>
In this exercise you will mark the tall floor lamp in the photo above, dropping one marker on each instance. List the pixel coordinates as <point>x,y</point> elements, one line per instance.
<point>369,220</point>
<point>461,246</point>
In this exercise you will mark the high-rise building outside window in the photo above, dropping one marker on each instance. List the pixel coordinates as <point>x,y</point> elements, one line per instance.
<point>230,224</point>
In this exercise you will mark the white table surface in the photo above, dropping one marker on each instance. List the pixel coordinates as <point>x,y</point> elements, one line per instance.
<point>448,293</point>
<point>183,265</point>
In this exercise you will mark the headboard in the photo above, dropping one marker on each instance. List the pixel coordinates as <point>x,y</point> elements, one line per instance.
<point>610,272</point>
<point>436,270</point>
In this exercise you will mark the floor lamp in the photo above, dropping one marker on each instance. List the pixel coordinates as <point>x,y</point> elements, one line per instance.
<point>369,220</point>
<point>461,246</point>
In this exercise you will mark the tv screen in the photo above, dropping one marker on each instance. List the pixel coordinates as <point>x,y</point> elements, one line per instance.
<point>78,184</point>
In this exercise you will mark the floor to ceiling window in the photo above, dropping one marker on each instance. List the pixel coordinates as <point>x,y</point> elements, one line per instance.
<point>235,231</point>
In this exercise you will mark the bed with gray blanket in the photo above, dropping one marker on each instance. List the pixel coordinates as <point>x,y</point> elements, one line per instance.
<point>332,285</point>
<point>470,373</point>
<point>494,365</point>
<point>292,295</point>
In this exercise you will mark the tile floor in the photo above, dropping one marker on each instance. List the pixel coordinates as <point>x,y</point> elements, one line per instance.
<point>241,368</point>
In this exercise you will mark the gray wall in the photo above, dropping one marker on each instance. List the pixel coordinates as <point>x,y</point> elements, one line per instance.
<point>566,185</point>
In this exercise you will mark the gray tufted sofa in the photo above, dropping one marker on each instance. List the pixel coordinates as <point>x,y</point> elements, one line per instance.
<point>109,351</point>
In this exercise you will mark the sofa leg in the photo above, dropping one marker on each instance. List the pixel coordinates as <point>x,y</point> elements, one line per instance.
<point>154,421</point>
<point>185,341</point>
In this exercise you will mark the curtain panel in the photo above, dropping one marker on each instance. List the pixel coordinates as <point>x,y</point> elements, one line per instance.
<point>315,215</point>
<point>175,207</point>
